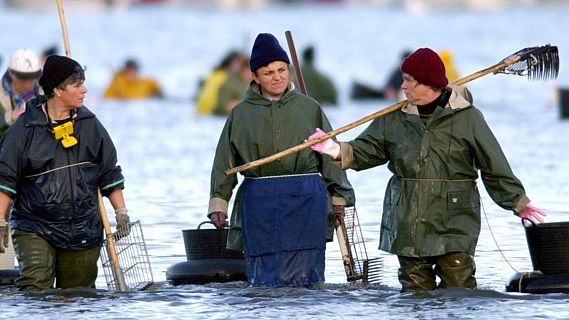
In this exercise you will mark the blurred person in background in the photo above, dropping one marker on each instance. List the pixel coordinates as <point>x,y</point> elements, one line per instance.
<point>448,59</point>
<point>51,50</point>
<point>128,84</point>
<point>209,88</point>
<point>19,85</point>
<point>434,146</point>
<point>283,212</point>
<point>52,162</point>
<point>233,89</point>
<point>318,85</point>
<point>391,90</point>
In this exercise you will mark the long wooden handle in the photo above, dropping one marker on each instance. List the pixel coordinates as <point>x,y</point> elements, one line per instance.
<point>64,28</point>
<point>493,69</point>
<point>111,249</point>
<point>295,63</point>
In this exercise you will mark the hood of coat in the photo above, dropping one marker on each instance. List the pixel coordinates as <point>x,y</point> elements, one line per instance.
<point>254,95</point>
<point>460,98</point>
<point>35,114</point>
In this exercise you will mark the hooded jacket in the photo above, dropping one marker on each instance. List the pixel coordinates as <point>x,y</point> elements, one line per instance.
<point>55,188</point>
<point>432,205</point>
<point>258,128</point>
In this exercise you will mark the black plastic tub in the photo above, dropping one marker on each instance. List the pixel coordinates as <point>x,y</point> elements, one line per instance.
<point>208,259</point>
<point>548,245</point>
<point>536,282</point>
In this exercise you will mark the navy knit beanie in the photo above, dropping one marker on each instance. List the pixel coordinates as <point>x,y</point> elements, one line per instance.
<point>56,70</point>
<point>266,50</point>
<point>426,66</point>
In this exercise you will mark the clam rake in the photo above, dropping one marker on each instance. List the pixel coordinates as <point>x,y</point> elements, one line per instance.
<point>538,63</point>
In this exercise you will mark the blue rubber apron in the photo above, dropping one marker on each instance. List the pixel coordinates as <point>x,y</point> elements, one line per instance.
<point>284,221</point>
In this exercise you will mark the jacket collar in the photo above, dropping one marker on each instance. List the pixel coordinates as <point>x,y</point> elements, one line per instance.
<point>460,98</point>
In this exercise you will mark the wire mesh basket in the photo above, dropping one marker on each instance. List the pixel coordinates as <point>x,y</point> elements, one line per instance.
<point>133,260</point>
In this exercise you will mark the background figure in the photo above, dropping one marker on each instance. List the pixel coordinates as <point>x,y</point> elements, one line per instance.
<point>283,213</point>
<point>128,84</point>
<point>49,51</point>
<point>209,88</point>
<point>19,85</point>
<point>318,85</point>
<point>52,174</point>
<point>434,146</point>
<point>448,60</point>
<point>233,89</point>
<point>391,90</point>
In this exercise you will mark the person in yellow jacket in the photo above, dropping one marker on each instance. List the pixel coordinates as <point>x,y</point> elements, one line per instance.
<point>452,73</point>
<point>209,89</point>
<point>127,84</point>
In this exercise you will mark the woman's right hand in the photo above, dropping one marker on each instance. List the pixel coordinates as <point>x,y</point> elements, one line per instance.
<point>219,220</point>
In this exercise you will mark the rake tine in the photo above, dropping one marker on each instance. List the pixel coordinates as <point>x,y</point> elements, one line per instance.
<point>539,63</point>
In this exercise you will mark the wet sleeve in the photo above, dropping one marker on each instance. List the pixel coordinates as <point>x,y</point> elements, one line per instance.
<point>110,174</point>
<point>498,178</point>
<point>335,178</point>
<point>221,186</point>
<point>368,149</point>
<point>12,146</point>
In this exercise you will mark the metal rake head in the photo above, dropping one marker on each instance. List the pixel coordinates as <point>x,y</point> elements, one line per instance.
<point>538,63</point>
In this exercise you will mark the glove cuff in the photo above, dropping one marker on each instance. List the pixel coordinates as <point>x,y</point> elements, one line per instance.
<point>3,222</point>
<point>121,211</point>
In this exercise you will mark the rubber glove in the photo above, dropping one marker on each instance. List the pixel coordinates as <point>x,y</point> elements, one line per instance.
<point>4,232</point>
<point>219,219</point>
<point>532,213</point>
<point>123,223</point>
<point>328,146</point>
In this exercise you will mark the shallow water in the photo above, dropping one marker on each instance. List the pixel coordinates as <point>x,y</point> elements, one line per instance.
<point>166,152</point>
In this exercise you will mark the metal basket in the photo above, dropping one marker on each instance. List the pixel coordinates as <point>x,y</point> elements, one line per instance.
<point>133,260</point>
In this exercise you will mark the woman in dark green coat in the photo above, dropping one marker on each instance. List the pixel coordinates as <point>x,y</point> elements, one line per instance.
<point>281,210</point>
<point>434,146</point>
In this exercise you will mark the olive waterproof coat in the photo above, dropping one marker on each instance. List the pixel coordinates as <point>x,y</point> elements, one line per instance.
<point>432,204</point>
<point>258,128</point>
<point>55,188</point>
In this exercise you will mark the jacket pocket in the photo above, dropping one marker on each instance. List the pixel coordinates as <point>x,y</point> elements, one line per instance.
<point>462,200</point>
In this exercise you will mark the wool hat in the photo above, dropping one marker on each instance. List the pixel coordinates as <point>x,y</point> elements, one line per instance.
<point>56,70</point>
<point>426,66</point>
<point>266,49</point>
<point>25,64</point>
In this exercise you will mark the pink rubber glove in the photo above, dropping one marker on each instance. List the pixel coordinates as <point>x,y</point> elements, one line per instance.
<point>533,214</point>
<point>328,146</point>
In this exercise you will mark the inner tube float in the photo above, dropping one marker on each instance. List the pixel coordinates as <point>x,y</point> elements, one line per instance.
<point>208,260</point>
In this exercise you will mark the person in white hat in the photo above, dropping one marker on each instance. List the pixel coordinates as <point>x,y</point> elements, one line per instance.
<point>19,85</point>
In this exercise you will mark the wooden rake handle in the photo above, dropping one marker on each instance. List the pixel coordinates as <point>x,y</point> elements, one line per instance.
<point>493,69</point>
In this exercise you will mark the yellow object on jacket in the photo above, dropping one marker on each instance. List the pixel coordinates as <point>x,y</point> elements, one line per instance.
<point>207,98</point>
<point>141,88</point>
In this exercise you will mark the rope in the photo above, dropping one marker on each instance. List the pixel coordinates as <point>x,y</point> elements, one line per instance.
<point>55,169</point>
<point>496,241</point>
<point>437,180</point>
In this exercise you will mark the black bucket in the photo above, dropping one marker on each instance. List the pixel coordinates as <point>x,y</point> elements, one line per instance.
<point>208,244</point>
<point>548,245</point>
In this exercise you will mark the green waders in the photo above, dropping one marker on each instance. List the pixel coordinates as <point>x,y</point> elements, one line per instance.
<point>41,264</point>
<point>455,269</point>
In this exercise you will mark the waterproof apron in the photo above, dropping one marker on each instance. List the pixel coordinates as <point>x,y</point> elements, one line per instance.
<point>284,221</point>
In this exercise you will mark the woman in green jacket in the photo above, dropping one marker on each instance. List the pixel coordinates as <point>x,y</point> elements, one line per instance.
<point>282,210</point>
<point>434,146</point>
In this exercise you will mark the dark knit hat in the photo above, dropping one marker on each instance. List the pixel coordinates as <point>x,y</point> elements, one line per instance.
<point>266,50</point>
<point>56,70</point>
<point>426,66</point>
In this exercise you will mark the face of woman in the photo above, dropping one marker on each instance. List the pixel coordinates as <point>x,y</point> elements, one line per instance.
<point>73,95</point>
<point>273,79</point>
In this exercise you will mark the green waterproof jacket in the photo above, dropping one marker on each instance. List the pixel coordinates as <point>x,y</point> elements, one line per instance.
<point>432,204</point>
<point>258,128</point>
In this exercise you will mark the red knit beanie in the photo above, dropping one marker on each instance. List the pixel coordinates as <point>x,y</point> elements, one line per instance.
<point>426,66</point>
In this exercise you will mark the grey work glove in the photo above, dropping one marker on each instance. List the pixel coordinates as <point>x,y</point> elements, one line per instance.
<point>123,223</point>
<point>4,233</point>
